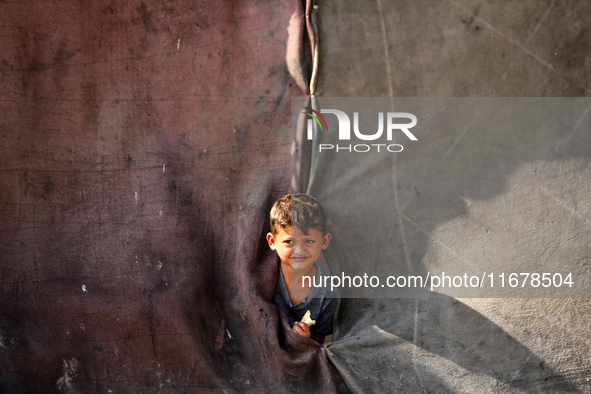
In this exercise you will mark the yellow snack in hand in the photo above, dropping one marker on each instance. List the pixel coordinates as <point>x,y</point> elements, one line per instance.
<point>306,319</point>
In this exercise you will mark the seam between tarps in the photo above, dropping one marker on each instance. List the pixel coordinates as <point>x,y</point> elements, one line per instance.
<point>313,19</point>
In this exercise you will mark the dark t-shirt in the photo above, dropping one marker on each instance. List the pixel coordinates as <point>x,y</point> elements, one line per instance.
<point>321,302</point>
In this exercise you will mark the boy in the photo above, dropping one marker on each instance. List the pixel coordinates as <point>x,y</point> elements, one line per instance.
<point>298,235</point>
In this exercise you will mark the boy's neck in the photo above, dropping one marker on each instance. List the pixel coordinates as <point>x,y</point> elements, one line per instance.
<point>293,281</point>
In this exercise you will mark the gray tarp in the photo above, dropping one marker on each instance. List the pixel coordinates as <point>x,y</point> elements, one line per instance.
<point>473,196</point>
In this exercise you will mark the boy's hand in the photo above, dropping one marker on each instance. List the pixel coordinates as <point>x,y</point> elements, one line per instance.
<point>302,328</point>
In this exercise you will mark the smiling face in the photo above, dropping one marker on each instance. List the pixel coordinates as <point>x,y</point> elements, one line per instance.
<point>298,249</point>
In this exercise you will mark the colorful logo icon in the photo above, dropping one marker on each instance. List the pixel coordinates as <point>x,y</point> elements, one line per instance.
<point>316,118</point>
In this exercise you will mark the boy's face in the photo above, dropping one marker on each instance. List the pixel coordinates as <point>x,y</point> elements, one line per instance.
<point>298,249</point>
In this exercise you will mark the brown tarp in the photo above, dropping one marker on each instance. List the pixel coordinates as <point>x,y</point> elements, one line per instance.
<point>141,146</point>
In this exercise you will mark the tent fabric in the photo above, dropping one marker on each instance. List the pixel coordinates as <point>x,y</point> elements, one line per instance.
<point>143,144</point>
<point>464,195</point>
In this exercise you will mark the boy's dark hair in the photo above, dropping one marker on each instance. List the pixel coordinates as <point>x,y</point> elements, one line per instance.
<point>299,210</point>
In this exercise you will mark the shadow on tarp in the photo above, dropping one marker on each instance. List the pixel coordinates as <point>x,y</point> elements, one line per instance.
<point>400,340</point>
<point>511,187</point>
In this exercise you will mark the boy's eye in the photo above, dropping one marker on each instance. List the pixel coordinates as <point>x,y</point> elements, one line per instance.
<point>310,241</point>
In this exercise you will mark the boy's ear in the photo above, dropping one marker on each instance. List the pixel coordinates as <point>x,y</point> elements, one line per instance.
<point>271,241</point>
<point>326,240</point>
